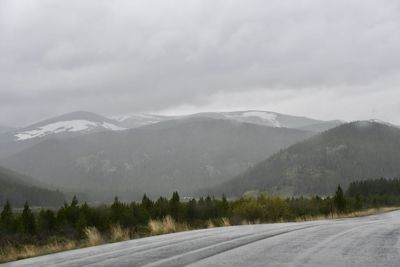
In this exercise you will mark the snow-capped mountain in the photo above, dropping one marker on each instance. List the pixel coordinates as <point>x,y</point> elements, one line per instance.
<point>141,119</point>
<point>265,118</point>
<point>65,126</point>
<point>72,124</point>
<point>82,122</point>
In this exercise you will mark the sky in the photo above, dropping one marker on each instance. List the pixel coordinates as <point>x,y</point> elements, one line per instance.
<point>322,59</point>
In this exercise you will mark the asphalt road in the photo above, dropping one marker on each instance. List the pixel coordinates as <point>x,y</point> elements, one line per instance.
<point>367,241</point>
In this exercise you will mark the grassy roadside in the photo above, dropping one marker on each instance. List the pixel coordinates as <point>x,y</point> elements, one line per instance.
<point>361,213</point>
<point>155,227</point>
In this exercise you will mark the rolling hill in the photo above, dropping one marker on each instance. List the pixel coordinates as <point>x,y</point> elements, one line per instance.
<point>353,151</point>
<point>18,188</point>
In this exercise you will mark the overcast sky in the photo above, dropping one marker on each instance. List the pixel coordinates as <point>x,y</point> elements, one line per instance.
<point>324,59</point>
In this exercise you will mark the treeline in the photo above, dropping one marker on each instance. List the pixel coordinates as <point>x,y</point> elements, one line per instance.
<point>71,220</point>
<point>378,192</point>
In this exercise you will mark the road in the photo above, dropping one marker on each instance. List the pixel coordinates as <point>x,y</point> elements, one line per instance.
<point>366,241</point>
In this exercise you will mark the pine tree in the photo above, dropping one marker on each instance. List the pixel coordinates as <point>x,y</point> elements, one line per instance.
<point>27,220</point>
<point>339,200</point>
<point>72,212</point>
<point>46,221</point>
<point>175,207</point>
<point>191,210</point>
<point>358,202</point>
<point>225,206</point>
<point>7,219</point>
<point>147,205</point>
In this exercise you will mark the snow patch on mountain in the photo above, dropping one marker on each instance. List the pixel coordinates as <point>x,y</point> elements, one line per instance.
<point>112,127</point>
<point>121,118</point>
<point>266,116</point>
<point>258,117</point>
<point>65,126</point>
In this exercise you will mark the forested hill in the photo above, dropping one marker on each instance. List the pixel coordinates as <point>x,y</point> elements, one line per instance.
<point>17,189</point>
<point>353,151</point>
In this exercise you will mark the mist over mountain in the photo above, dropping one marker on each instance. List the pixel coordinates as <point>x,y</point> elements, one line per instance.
<point>265,118</point>
<point>82,122</point>
<point>139,120</point>
<point>18,188</point>
<point>184,155</point>
<point>353,151</point>
<point>4,129</point>
<point>321,126</point>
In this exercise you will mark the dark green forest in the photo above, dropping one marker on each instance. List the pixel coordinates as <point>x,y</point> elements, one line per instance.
<point>32,226</point>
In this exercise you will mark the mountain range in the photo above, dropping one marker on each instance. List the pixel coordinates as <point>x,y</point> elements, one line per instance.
<point>265,118</point>
<point>84,123</point>
<point>184,155</point>
<point>215,152</point>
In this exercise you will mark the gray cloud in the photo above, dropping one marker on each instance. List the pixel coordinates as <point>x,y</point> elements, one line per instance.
<point>323,59</point>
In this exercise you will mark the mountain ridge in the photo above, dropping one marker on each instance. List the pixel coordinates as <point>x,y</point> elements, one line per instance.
<point>357,150</point>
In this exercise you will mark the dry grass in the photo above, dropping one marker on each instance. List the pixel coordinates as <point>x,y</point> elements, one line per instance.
<point>119,234</point>
<point>16,252</point>
<point>210,224</point>
<point>247,222</point>
<point>12,252</point>
<point>93,236</point>
<point>225,222</point>
<point>167,225</point>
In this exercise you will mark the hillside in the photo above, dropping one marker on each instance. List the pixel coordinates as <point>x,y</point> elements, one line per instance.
<point>354,151</point>
<point>18,188</point>
<point>184,155</point>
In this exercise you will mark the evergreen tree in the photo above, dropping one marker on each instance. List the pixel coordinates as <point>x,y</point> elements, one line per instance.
<point>147,205</point>
<point>161,208</point>
<point>7,219</point>
<point>116,211</point>
<point>27,220</point>
<point>225,206</point>
<point>175,207</point>
<point>358,202</point>
<point>81,224</point>
<point>339,200</point>
<point>191,210</point>
<point>46,221</point>
<point>72,212</point>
